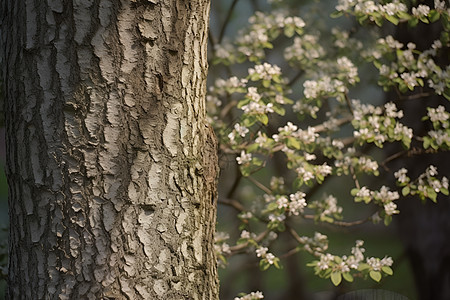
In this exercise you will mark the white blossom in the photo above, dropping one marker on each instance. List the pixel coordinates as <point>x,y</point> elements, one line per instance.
<point>401,175</point>
<point>244,158</point>
<point>276,218</point>
<point>266,71</point>
<point>390,208</point>
<point>282,202</point>
<point>251,296</point>
<point>261,251</point>
<point>325,260</point>
<point>270,258</point>
<point>439,5</point>
<point>421,11</point>
<point>245,234</point>
<point>297,204</point>
<point>438,114</point>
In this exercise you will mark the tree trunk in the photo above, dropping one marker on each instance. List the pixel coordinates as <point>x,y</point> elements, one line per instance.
<point>425,228</point>
<point>110,162</point>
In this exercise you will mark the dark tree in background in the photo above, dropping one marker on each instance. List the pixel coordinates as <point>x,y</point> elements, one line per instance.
<point>424,228</point>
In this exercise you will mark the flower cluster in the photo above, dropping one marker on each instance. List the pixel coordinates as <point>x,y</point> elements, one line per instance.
<point>377,125</point>
<point>356,162</point>
<point>326,209</point>
<point>395,11</point>
<point>439,137</point>
<point>221,248</point>
<point>425,186</point>
<point>252,296</point>
<point>383,198</point>
<point>267,258</point>
<point>304,51</point>
<point>254,120</point>
<point>341,267</point>
<point>315,245</point>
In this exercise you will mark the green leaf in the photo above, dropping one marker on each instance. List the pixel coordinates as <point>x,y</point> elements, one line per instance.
<point>403,15</point>
<point>252,148</point>
<point>392,19</point>
<point>279,110</point>
<point>387,220</point>
<point>406,190</point>
<point>424,19</point>
<point>347,276</point>
<point>426,142</point>
<point>249,120</point>
<point>294,143</point>
<point>276,263</point>
<point>263,264</point>
<point>447,94</point>
<point>336,14</point>
<point>387,270</point>
<point>266,83</point>
<point>432,194</point>
<point>413,22</point>
<point>375,275</point>
<point>245,171</point>
<point>243,102</point>
<point>336,278</point>
<point>271,206</point>
<point>354,191</point>
<point>289,31</point>
<point>326,219</point>
<point>363,266</point>
<point>312,264</point>
<point>281,227</point>
<point>263,118</point>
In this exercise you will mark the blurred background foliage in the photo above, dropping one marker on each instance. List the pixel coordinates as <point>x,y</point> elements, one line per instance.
<point>295,280</point>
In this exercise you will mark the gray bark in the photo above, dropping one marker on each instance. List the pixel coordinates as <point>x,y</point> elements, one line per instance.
<point>111,165</point>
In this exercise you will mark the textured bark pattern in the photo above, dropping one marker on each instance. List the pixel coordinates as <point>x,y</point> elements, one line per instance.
<point>111,166</point>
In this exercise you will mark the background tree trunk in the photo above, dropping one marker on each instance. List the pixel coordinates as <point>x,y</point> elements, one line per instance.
<point>110,163</point>
<point>425,228</point>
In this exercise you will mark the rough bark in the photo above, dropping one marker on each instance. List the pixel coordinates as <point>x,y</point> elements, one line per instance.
<point>110,163</point>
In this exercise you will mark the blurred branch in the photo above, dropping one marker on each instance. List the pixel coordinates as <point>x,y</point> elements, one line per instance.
<point>341,223</point>
<point>260,185</point>
<point>232,203</point>
<point>295,78</point>
<point>410,153</point>
<point>236,182</point>
<point>290,253</point>
<point>227,20</point>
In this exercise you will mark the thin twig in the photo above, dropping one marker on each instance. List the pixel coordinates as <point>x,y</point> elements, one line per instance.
<point>290,253</point>
<point>294,234</point>
<point>410,153</point>
<point>341,223</point>
<point>227,108</point>
<point>415,96</point>
<point>352,171</point>
<point>349,104</point>
<point>258,239</point>
<point>260,185</point>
